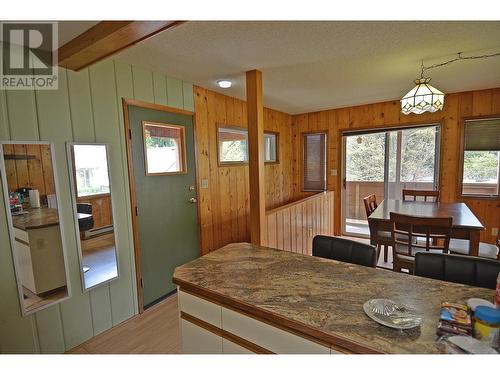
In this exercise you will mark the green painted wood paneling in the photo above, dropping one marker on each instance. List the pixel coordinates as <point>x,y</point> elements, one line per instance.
<point>107,125</point>
<point>86,107</point>
<point>160,88</point>
<point>22,115</point>
<point>55,125</point>
<point>4,117</point>
<point>17,334</point>
<point>143,84</point>
<point>101,309</point>
<point>49,330</point>
<point>175,93</point>
<point>125,89</point>
<point>81,106</point>
<point>188,96</point>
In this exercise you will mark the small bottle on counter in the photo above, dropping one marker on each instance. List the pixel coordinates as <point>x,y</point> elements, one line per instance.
<point>497,294</point>
<point>487,325</point>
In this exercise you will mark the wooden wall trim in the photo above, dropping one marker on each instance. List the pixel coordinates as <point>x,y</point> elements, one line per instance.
<point>107,38</point>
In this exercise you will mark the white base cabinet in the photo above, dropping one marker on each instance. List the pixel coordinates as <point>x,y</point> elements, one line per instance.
<point>209,328</point>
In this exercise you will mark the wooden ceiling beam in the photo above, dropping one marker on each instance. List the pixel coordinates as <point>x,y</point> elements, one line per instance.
<point>107,38</point>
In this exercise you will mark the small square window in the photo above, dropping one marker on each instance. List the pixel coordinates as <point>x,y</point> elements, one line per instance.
<point>233,145</point>
<point>164,149</point>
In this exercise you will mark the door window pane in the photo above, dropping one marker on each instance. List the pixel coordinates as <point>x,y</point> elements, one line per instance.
<point>418,154</point>
<point>365,157</point>
<point>91,170</point>
<point>163,149</point>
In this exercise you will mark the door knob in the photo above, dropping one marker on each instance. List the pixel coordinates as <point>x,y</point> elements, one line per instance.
<point>193,200</point>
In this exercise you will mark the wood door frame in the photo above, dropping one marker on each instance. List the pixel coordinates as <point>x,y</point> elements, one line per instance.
<point>133,198</point>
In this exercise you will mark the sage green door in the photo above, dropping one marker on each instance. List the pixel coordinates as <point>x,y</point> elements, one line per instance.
<point>166,209</point>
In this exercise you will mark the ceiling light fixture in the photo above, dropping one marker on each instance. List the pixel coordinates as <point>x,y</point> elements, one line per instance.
<point>426,98</point>
<point>224,83</point>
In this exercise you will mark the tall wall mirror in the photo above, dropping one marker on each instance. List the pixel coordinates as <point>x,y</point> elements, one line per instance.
<point>36,232</point>
<point>93,208</point>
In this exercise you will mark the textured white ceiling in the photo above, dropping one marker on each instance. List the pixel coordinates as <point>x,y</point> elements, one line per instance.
<point>309,66</point>
<point>69,30</point>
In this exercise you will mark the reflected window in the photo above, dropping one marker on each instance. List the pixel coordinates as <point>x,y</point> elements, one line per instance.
<point>91,170</point>
<point>164,149</point>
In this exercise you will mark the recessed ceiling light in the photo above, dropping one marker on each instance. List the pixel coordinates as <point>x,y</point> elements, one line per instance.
<point>224,83</point>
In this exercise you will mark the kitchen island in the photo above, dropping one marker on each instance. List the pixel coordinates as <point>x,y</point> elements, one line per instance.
<point>249,299</point>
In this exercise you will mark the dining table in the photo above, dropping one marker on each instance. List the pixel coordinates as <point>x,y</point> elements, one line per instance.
<point>465,224</point>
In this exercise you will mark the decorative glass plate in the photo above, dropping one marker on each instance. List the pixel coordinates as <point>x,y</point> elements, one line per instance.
<point>390,314</point>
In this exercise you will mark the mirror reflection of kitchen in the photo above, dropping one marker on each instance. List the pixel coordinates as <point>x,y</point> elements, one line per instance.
<point>34,226</point>
<point>94,213</point>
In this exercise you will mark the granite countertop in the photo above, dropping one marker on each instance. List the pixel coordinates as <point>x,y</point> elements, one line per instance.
<point>321,298</point>
<point>36,218</point>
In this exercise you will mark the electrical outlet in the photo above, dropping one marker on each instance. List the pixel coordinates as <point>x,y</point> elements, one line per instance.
<point>333,172</point>
<point>494,231</point>
<point>204,183</point>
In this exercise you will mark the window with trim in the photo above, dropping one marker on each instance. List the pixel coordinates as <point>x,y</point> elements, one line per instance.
<point>164,149</point>
<point>314,162</point>
<point>233,146</point>
<point>481,158</point>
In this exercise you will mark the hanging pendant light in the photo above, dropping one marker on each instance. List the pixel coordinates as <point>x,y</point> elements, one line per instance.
<point>422,98</point>
<point>425,98</point>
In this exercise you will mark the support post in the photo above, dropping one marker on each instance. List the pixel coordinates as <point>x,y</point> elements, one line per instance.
<point>255,117</point>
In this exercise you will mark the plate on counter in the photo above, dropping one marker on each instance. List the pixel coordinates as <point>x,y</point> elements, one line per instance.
<point>390,314</point>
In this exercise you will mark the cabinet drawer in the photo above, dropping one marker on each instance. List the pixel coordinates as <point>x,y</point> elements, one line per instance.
<point>197,340</point>
<point>21,235</point>
<point>202,309</point>
<point>267,336</point>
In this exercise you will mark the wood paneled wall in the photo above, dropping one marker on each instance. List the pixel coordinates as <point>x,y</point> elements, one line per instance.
<point>224,205</point>
<point>85,108</point>
<point>293,226</point>
<point>387,114</point>
<point>35,173</point>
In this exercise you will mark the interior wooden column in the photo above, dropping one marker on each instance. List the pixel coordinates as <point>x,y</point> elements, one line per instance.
<point>255,115</point>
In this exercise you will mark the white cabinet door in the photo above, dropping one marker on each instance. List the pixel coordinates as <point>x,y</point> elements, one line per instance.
<point>199,308</point>
<point>269,337</point>
<point>229,347</point>
<point>197,340</point>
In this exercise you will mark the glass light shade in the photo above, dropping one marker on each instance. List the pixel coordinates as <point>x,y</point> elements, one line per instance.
<point>422,98</point>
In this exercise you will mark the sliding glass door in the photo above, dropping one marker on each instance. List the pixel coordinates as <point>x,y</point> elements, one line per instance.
<point>383,163</point>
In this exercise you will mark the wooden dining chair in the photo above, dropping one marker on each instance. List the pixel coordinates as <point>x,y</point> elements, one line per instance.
<point>433,234</point>
<point>383,238</point>
<point>433,195</point>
